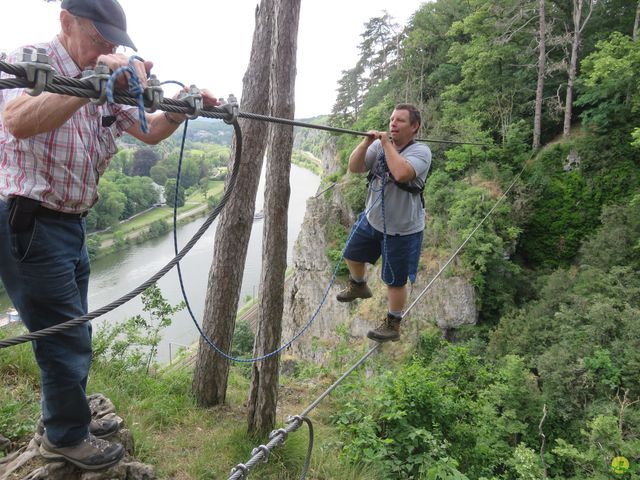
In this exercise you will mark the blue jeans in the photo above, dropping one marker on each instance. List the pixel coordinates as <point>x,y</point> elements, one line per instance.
<point>401,253</point>
<point>45,270</point>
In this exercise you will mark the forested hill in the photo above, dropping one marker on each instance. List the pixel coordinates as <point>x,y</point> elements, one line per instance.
<point>547,384</point>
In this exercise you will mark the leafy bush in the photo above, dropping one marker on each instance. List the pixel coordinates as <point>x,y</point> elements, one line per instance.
<point>355,192</point>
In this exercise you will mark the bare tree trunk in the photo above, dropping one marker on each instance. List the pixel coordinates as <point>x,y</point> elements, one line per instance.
<point>234,226</point>
<point>636,23</point>
<point>263,395</point>
<point>542,58</point>
<point>578,26</point>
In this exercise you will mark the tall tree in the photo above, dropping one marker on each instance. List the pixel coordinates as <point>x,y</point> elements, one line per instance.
<point>263,394</point>
<point>234,227</point>
<point>636,23</point>
<point>542,58</point>
<point>578,26</point>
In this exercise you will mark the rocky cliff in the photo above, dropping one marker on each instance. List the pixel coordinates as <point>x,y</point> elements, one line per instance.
<point>449,303</point>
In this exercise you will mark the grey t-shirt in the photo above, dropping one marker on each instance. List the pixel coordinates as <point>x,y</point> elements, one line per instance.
<point>403,212</point>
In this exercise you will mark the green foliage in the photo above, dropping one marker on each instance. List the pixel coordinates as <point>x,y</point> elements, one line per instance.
<point>93,246</point>
<point>158,228</point>
<point>243,339</point>
<point>306,160</point>
<point>336,235</point>
<point>355,192</point>
<point>170,193</point>
<point>447,410</point>
<point>133,344</point>
<point>610,87</point>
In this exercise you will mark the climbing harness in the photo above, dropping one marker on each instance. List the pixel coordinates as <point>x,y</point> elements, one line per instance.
<point>383,170</point>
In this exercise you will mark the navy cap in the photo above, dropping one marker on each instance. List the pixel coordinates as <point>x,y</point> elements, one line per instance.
<point>107,16</point>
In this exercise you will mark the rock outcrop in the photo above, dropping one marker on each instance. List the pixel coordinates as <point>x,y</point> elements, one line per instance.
<point>26,463</point>
<point>449,303</point>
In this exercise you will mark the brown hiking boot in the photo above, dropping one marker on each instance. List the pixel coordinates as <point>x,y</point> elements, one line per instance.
<point>354,290</point>
<point>99,427</point>
<point>389,330</point>
<point>90,454</point>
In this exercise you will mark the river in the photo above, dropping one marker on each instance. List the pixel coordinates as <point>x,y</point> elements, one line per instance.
<point>114,275</point>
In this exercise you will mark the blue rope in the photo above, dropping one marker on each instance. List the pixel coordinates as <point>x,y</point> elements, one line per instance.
<point>135,89</point>
<point>204,336</point>
<point>382,173</point>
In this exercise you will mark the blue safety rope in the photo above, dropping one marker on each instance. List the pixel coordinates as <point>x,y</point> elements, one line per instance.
<point>186,300</point>
<point>382,172</point>
<point>135,89</point>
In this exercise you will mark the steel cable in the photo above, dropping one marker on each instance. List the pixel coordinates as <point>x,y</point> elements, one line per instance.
<point>154,278</point>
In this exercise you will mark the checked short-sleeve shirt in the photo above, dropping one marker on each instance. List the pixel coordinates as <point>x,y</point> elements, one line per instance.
<point>61,168</point>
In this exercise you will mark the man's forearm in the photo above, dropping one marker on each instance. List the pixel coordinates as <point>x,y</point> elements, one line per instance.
<point>356,160</point>
<point>26,116</point>
<point>399,167</point>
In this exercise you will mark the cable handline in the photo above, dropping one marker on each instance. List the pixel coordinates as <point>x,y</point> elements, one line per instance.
<point>154,278</point>
<point>84,88</point>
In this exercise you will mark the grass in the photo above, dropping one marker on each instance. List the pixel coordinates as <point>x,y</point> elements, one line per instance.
<point>180,439</point>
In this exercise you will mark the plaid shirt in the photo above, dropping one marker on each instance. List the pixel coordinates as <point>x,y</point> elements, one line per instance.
<point>61,168</point>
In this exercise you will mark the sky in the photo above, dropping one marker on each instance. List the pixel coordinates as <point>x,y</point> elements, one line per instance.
<point>208,42</point>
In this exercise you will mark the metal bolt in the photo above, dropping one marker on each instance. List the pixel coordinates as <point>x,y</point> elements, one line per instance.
<point>26,54</point>
<point>42,56</point>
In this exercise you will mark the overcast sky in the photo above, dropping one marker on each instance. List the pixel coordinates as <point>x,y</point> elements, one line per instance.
<point>207,42</point>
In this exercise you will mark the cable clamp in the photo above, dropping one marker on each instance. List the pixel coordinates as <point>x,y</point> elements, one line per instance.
<point>194,99</point>
<point>98,77</point>
<point>38,71</point>
<point>232,109</point>
<point>261,449</point>
<point>241,467</point>
<point>294,419</point>
<point>282,432</point>
<point>153,94</point>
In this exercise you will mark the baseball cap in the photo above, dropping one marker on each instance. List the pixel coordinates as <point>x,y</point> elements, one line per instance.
<point>107,16</point>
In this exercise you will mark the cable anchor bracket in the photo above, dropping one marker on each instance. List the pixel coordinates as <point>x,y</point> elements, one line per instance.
<point>232,109</point>
<point>38,69</point>
<point>98,77</point>
<point>194,98</point>
<point>153,94</point>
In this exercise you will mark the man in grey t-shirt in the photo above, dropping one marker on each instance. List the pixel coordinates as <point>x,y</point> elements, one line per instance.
<point>394,220</point>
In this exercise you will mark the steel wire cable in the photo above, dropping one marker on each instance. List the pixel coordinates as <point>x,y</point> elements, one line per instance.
<point>83,88</point>
<point>277,437</point>
<point>154,278</point>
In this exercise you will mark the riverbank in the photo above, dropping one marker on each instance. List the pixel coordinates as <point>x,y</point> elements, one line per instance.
<point>152,223</point>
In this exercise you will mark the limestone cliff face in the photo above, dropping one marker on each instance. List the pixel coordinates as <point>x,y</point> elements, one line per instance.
<point>449,302</point>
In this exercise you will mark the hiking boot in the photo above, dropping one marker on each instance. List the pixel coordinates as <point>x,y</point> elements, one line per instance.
<point>389,330</point>
<point>99,427</point>
<point>354,290</point>
<point>90,454</point>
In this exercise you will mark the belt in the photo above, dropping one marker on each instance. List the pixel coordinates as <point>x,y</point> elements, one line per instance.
<point>43,211</point>
<point>47,212</point>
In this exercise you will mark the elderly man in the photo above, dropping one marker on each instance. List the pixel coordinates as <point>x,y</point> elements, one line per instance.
<point>53,149</point>
<point>394,221</point>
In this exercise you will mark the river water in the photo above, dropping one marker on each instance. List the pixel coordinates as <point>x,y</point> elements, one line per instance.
<point>114,275</point>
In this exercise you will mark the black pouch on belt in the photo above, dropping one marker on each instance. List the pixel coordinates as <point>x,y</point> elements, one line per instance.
<point>22,213</point>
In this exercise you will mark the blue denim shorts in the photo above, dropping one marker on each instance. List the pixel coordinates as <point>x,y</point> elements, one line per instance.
<point>400,256</point>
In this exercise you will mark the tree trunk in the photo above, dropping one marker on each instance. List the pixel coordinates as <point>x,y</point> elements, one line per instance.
<point>234,226</point>
<point>263,394</point>
<point>636,23</point>
<point>542,58</point>
<point>578,26</point>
